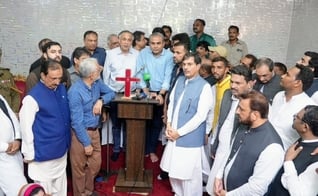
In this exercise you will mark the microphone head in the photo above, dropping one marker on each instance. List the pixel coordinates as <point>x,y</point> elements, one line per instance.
<point>146,77</point>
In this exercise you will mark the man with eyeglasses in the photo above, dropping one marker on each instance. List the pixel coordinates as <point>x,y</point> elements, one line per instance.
<point>298,175</point>
<point>286,103</point>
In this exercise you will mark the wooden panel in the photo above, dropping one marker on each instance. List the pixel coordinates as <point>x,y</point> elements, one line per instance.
<point>135,111</point>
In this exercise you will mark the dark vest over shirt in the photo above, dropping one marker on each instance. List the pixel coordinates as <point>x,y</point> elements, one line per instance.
<point>270,89</point>
<point>250,143</point>
<point>313,88</point>
<point>301,162</point>
<point>225,108</point>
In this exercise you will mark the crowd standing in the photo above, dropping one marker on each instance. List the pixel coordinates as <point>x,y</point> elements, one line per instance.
<point>232,123</point>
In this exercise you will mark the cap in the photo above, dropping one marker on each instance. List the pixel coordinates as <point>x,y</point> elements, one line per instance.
<point>221,50</point>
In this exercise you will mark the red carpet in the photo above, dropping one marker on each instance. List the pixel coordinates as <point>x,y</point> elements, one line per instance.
<point>105,188</point>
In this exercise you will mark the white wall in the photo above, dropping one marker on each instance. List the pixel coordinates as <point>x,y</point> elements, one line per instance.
<point>268,26</point>
<point>304,30</point>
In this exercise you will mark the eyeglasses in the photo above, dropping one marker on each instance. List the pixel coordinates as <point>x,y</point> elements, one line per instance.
<point>295,116</point>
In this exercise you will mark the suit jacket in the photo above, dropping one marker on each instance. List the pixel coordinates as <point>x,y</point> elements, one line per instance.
<point>271,88</point>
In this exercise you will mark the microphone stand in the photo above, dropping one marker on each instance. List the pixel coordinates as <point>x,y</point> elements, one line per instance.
<point>135,75</point>
<point>108,172</point>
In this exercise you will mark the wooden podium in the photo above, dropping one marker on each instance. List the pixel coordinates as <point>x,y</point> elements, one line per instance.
<point>134,178</point>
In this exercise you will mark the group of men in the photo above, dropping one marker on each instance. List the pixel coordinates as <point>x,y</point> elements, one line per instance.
<point>252,117</point>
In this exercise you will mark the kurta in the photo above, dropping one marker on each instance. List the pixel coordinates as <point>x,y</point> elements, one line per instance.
<point>11,167</point>
<point>185,162</point>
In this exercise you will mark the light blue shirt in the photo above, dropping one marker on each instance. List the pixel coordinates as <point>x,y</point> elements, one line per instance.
<point>81,101</point>
<point>115,66</point>
<point>159,67</point>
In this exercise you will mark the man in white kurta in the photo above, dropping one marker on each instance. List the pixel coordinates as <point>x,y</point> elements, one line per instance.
<point>241,83</point>
<point>183,163</point>
<point>11,167</point>
<point>288,102</point>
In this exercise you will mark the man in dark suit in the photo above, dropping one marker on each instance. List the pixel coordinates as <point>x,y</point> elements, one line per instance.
<point>267,82</point>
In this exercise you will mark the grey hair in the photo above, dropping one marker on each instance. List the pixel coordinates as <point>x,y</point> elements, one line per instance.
<point>126,31</point>
<point>87,67</point>
<point>156,34</point>
<point>110,36</point>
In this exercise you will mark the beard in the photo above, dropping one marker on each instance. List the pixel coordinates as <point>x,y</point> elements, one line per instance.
<point>246,121</point>
<point>57,58</point>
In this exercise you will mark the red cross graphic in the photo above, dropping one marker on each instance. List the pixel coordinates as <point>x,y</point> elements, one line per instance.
<point>128,79</point>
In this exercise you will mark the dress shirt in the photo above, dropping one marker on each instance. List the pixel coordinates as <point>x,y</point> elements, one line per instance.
<point>115,66</point>
<point>100,55</point>
<point>75,76</point>
<point>82,99</point>
<point>159,67</point>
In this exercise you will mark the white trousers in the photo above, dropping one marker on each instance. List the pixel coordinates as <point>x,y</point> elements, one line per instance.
<point>56,187</point>
<point>189,187</point>
<point>11,172</point>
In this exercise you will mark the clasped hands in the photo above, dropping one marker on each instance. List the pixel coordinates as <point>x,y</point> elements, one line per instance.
<point>13,147</point>
<point>171,134</point>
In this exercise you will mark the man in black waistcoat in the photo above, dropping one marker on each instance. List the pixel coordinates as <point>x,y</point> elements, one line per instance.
<point>298,175</point>
<point>256,151</point>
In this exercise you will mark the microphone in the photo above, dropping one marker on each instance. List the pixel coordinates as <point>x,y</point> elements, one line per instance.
<point>146,78</point>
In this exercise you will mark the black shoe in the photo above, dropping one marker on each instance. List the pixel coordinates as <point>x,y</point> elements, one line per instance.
<point>163,175</point>
<point>114,156</point>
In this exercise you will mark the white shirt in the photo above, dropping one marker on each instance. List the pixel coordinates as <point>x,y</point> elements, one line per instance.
<point>115,66</point>
<point>314,97</point>
<point>304,184</point>
<point>224,144</point>
<point>282,115</point>
<point>39,171</point>
<point>27,116</point>
<point>265,169</point>
<point>7,131</point>
<point>11,165</point>
<point>210,116</point>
